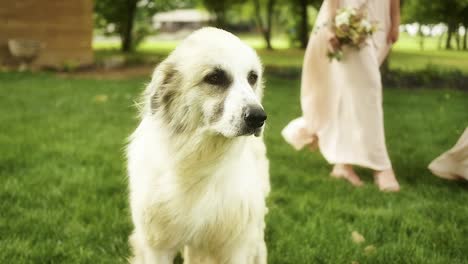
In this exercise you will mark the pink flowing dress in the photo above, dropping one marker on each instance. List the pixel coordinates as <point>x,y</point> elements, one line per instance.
<point>342,100</point>
<point>453,164</point>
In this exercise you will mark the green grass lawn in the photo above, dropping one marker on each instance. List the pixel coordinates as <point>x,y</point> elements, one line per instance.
<point>406,54</point>
<point>63,187</point>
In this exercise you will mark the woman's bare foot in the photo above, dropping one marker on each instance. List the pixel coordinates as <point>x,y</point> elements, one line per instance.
<point>313,146</point>
<point>386,181</point>
<point>344,171</point>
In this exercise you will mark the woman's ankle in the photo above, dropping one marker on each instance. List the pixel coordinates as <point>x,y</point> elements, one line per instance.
<point>386,180</point>
<point>346,171</point>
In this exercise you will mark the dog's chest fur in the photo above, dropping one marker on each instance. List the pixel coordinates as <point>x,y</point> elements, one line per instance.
<point>213,211</point>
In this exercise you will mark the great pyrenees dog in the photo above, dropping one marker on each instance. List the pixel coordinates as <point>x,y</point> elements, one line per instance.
<point>198,171</point>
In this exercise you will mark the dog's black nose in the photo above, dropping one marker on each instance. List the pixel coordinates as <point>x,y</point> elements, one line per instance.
<point>254,116</point>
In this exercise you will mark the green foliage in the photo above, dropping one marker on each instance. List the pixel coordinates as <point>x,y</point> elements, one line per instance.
<point>131,19</point>
<point>265,11</point>
<point>220,9</point>
<point>453,13</point>
<point>433,76</point>
<point>432,12</point>
<point>416,11</point>
<point>64,192</point>
<point>300,21</point>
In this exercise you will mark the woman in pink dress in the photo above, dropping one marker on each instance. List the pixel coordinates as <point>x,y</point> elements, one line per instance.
<point>342,100</point>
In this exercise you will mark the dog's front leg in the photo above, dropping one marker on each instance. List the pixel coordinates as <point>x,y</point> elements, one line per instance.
<point>193,256</point>
<point>160,256</point>
<point>250,253</point>
<point>145,254</point>
<point>152,256</point>
<point>261,255</point>
<point>241,256</point>
<point>252,250</point>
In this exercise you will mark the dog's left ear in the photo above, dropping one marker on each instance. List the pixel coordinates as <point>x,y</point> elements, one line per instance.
<point>164,77</point>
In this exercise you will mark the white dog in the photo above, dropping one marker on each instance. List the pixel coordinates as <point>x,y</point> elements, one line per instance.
<point>198,175</point>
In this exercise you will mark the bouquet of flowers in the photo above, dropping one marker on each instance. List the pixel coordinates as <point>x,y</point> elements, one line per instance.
<point>352,28</point>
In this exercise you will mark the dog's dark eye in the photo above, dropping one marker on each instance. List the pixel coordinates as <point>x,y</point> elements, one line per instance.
<point>218,77</point>
<point>252,78</point>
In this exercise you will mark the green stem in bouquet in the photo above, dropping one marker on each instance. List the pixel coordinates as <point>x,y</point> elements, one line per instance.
<point>335,55</point>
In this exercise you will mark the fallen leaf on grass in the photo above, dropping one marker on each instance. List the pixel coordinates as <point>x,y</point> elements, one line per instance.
<point>357,238</point>
<point>370,249</point>
<point>101,98</point>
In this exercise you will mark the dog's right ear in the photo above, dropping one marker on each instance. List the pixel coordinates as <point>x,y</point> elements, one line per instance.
<point>163,80</point>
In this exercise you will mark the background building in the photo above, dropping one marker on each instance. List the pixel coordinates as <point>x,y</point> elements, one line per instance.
<point>63,28</point>
<point>181,19</point>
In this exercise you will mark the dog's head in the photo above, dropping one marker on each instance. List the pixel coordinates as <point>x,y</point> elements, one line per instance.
<point>211,81</point>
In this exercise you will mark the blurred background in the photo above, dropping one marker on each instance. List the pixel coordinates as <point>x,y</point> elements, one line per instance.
<point>71,72</point>
<point>73,35</point>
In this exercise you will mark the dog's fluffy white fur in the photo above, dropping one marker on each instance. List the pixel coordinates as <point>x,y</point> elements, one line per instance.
<point>198,175</point>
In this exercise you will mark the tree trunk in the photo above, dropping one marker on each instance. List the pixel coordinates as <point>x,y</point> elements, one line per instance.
<point>127,30</point>
<point>270,11</point>
<point>221,19</point>
<point>465,37</point>
<point>448,43</point>
<point>421,38</point>
<point>439,42</point>
<point>457,38</point>
<point>304,24</point>
<point>220,12</point>
<point>265,29</point>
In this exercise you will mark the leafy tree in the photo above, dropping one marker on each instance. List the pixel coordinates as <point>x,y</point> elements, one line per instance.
<point>131,19</point>
<point>464,22</point>
<point>119,14</point>
<point>220,8</point>
<point>451,12</point>
<point>304,22</point>
<point>450,15</point>
<point>301,16</point>
<point>265,24</point>
<point>414,12</point>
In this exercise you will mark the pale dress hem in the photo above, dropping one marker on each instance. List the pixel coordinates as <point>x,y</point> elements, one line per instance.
<point>355,163</point>
<point>297,135</point>
<point>453,164</point>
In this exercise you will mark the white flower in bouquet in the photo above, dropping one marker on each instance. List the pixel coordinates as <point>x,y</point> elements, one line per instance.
<point>366,25</point>
<point>342,18</point>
